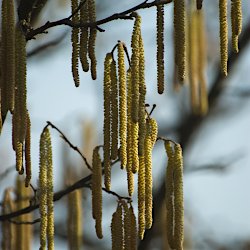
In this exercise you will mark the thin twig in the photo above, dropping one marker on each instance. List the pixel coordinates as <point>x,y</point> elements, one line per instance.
<point>25,222</point>
<point>66,21</point>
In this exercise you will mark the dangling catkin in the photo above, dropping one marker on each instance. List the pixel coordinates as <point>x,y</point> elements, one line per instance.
<point>75,43</point>
<point>148,178</point>
<point>97,191</point>
<point>223,35</point>
<point>141,197</point>
<point>130,175</point>
<point>19,157</point>
<point>117,228</point>
<point>20,85</point>
<point>92,37</point>
<point>127,226</point>
<point>133,229</point>
<point>180,37</point>
<point>178,198</point>
<point>106,125</point>
<point>27,152</point>
<point>134,146</point>
<point>43,191</point>
<point>122,105</point>
<point>160,48</point>
<point>114,111</point>
<point>142,90</point>
<point>170,194</point>
<point>236,23</point>
<point>50,202</point>
<point>84,37</point>
<point>135,60</point>
<point>202,57</point>
<point>153,130</point>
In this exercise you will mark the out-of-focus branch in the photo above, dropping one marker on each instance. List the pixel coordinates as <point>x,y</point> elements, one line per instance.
<point>191,123</point>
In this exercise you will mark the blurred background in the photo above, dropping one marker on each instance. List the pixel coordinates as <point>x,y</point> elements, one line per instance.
<point>216,146</point>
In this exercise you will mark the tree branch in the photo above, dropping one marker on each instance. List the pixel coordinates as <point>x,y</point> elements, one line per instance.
<point>66,21</point>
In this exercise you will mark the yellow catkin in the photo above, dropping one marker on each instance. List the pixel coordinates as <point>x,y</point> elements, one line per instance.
<point>75,44</point>
<point>141,197</point>
<point>122,105</point>
<point>142,90</point>
<point>130,175</point>
<point>135,60</point>
<point>28,152</point>
<point>178,198</point>
<point>84,37</point>
<point>8,55</point>
<point>92,37</point>
<point>19,157</point>
<point>148,178</point>
<point>160,48</point>
<point>50,202</point>
<point>170,194</point>
<point>193,63</point>
<point>236,23</point>
<point>223,35</point>
<point>8,234</point>
<point>117,229</point>
<point>43,191</point>
<point>180,37</point>
<point>97,191</point>
<point>134,146</point>
<point>106,125</point>
<point>202,57</point>
<point>153,130</point>
<point>75,219</point>
<point>114,111</point>
<point>20,85</point>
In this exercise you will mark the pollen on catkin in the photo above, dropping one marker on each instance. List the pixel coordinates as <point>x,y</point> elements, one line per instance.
<point>20,85</point>
<point>75,44</point>
<point>223,35</point>
<point>160,48</point>
<point>142,91</point>
<point>135,60</point>
<point>148,178</point>
<point>180,37</point>
<point>27,152</point>
<point>106,125</point>
<point>236,23</point>
<point>114,111</point>
<point>153,130</point>
<point>122,105</point>
<point>117,229</point>
<point>170,194</point>
<point>134,146</point>
<point>19,157</point>
<point>97,191</point>
<point>141,197</point>
<point>92,38</point>
<point>84,37</point>
<point>178,198</point>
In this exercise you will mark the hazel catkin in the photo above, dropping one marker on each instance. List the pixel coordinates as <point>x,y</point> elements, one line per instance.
<point>28,152</point>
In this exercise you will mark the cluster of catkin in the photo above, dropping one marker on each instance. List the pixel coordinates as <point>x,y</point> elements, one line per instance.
<point>236,25</point>
<point>15,235</point>
<point>13,86</point>
<point>83,38</point>
<point>46,206</point>
<point>174,196</point>
<point>196,60</point>
<point>123,228</point>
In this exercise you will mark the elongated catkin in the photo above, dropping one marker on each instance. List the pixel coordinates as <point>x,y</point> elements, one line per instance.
<point>122,105</point>
<point>28,152</point>
<point>223,35</point>
<point>75,44</point>
<point>97,191</point>
<point>170,194</point>
<point>135,60</point>
<point>92,38</point>
<point>160,48</point>
<point>178,198</point>
<point>114,111</point>
<point>127,226</point>
<point>106,125</point>
<point>84,37</point>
